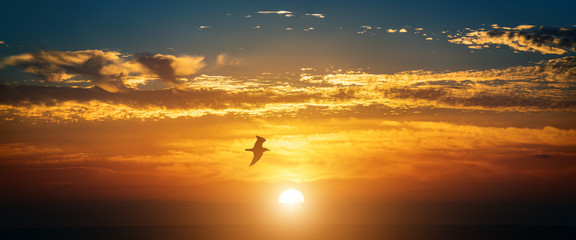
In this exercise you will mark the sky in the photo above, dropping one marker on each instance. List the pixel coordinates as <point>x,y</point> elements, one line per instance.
<point>377,111</point>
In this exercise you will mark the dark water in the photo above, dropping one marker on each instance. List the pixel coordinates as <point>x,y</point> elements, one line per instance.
<point>257,232</point>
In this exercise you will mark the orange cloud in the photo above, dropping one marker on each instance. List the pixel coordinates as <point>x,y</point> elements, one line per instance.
<point>309,150</point>
<point>227,60</point>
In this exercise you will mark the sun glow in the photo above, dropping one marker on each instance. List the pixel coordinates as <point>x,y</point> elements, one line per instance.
<point>291,198</point>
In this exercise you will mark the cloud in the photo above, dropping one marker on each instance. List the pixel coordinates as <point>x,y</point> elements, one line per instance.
<point>526,38</point>
<point>280,12</point>
<point>55,66</point>
<point>562,69</point>
<point>289,13</point>
<point>515,89</point>
<point>379,148</point>
<point>227,60</point>
<point>169,67</point>
<point>318,15</point>
<point>368,29</point>
<point>106,70</point>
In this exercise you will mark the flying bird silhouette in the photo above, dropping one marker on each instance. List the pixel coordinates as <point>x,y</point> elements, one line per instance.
<point>258,150</point>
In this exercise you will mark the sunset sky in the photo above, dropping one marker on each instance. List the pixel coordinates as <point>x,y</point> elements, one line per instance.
<point>371,109</point>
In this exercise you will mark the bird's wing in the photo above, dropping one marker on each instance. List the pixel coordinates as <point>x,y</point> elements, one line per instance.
<point>259,142</point>
<point>257,156</point>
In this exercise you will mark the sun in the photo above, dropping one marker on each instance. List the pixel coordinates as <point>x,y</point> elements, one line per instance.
<point>291,198</point>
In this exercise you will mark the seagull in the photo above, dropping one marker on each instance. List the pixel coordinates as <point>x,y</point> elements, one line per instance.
<point>258,150</point>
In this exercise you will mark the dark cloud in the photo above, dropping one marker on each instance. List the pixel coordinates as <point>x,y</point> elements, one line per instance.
<point>168,68</point>
<point>189,99</point>
<point>56,66</point>
<point>161,66</point>
<point>484,99</point>
<point>551,161</point>
<point>106,70</point>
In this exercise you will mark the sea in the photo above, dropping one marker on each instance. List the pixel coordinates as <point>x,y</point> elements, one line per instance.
<point>312,232</point>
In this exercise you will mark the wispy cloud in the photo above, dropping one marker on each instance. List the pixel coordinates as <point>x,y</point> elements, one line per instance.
<point>275,12</point>
<point>481,152</point>
<point>526,38</point>
<point>318,15</point>
<point>289,13</point>
<point>224,59</point>
<point>278,12</point>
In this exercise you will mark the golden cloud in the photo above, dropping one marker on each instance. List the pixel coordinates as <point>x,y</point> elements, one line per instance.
<point>309,150</point>
<point>515,89</point>
<point>526,38</point>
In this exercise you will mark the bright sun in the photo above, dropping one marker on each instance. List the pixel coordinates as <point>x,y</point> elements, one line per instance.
<point>291,198</point>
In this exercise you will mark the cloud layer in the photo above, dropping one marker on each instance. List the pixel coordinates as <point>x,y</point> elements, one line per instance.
<point>308,150</point>
<point>544,87</point>
<point>420,130</point>
<point>526,38</point>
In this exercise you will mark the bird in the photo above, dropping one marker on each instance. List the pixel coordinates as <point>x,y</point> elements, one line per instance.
<point>258,150</point>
